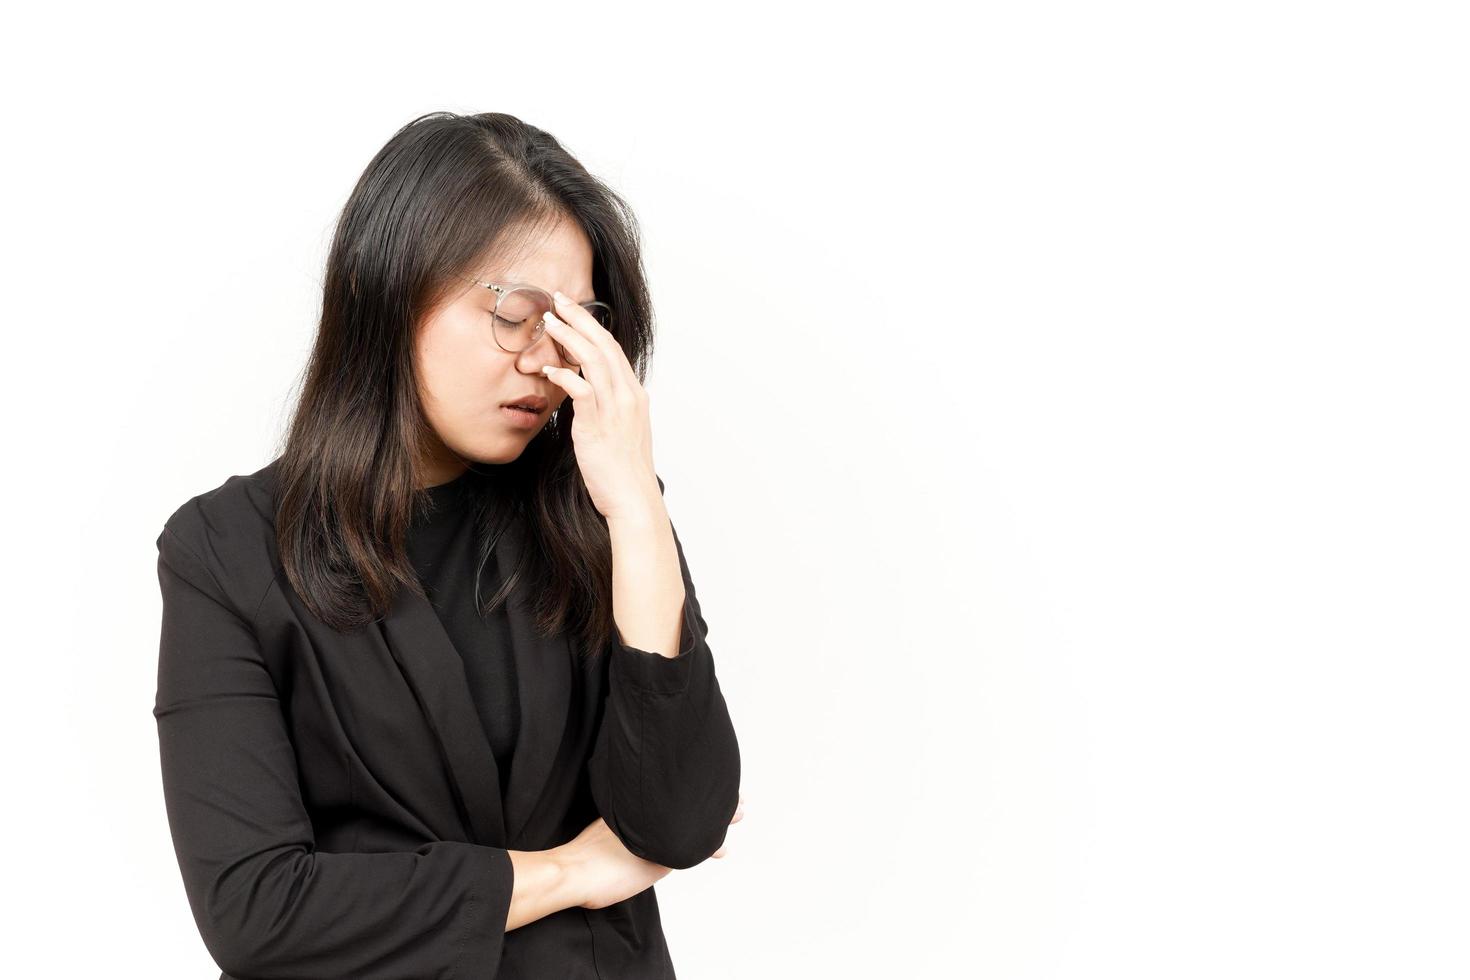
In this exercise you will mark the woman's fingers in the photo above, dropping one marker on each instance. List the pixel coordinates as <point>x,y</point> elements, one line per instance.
<point>584,396</point>
<point>577,324</point>
<point>739,813</point>
<point>590,358</point>
<point>577,316</point>
<point>580,347</point>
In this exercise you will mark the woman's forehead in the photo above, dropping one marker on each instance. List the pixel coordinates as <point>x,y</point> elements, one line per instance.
<point>554,257</point>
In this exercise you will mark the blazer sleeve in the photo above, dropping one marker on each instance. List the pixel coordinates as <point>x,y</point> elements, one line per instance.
<point>266,901</point>
<point>665,771</point>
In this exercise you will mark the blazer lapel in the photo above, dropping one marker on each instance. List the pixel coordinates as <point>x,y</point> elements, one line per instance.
<point>435,670</point>
<point>544,685</point>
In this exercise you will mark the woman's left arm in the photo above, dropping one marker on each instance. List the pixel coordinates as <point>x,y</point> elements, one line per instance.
<point>648,587</point>
<point>665,770</point>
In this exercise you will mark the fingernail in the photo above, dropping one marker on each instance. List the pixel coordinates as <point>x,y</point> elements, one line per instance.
<point>560,298</point>
<point>547,368</point>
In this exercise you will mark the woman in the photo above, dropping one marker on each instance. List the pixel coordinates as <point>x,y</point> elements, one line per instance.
<point>435,697</point>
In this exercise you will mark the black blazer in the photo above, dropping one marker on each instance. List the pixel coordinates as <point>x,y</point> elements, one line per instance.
<point>333,799</point>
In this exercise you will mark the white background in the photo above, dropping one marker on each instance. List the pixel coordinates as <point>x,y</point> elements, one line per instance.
<point>1063,408</point>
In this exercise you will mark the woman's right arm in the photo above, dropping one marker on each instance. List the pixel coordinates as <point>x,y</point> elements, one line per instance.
<point>266,902</point>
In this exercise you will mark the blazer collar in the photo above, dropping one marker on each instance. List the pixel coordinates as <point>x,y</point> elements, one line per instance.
<point>435,669</point>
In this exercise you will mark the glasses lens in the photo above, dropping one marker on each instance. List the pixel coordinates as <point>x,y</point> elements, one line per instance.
<point>600,311</point>
<point>518,317</point>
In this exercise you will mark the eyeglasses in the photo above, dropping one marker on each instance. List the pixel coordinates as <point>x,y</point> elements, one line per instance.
<point>519,318</point>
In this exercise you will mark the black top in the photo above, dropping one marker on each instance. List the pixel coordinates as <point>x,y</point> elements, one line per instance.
<point>333,796</point>
<point>444,552</point>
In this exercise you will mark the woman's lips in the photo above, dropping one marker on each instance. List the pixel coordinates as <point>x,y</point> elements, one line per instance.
<point>521,418</point>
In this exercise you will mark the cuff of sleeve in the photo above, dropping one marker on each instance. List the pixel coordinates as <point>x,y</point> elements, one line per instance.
<point>483,942</point>
<point>653,672</point>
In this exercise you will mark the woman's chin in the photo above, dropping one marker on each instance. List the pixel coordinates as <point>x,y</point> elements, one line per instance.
<point>503,451</point>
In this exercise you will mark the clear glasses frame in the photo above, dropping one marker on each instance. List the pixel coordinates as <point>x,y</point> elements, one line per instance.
<point>602,311</point>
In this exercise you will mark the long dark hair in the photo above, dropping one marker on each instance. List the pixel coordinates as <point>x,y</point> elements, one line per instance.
<point>445,192</point>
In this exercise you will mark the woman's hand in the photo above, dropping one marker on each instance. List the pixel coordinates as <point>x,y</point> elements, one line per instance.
<point>739,812</point>
<point>611,431</point>
<point>603,872</point>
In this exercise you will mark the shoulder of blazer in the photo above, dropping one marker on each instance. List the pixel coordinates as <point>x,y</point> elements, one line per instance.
<point>231,531</point>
